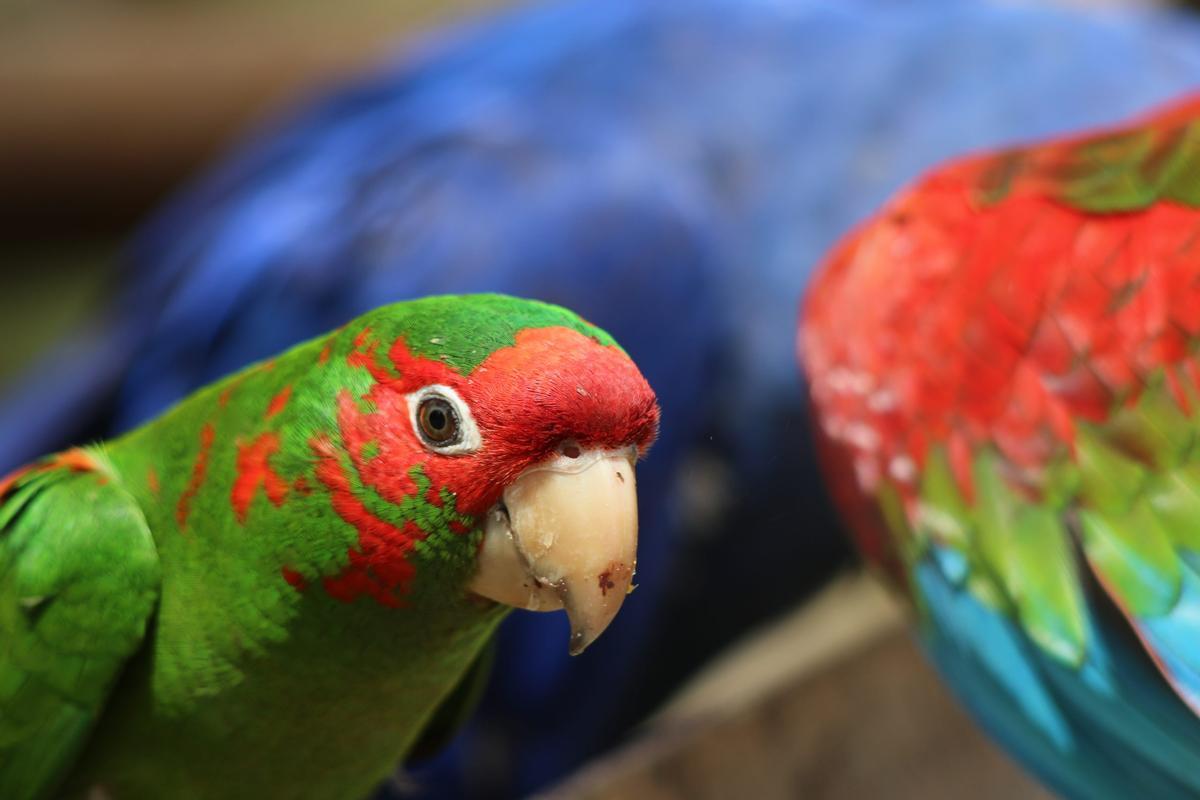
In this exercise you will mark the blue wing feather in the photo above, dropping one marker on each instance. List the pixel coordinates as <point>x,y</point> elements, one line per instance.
<point>1109,729</point>
<point>1174,638</point>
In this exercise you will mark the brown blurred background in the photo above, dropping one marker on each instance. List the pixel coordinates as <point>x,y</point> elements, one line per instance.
<point>109,104</point>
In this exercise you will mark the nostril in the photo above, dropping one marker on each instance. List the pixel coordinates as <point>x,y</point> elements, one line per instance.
<point>571,450</point>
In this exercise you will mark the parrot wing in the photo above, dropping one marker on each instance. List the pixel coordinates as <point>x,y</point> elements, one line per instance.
<point>1126,169</point>
<point>450,717</point>
<point>79,579</point>
<point>1003,365</point>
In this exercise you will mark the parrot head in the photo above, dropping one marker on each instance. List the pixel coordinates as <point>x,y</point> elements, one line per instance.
<point>508,428</point>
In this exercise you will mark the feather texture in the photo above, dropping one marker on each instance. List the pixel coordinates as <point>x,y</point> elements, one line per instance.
<point>1031,318</point>
<point>79,579</point>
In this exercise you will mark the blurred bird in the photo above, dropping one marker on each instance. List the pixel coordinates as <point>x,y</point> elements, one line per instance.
<point>661,168</point>
<point>1003,362</point>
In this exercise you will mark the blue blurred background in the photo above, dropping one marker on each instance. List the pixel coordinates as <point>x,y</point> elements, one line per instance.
<point>190,187</point>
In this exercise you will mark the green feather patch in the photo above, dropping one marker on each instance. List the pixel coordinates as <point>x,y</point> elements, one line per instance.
<point>1133,556</point>
<point>463,335</point>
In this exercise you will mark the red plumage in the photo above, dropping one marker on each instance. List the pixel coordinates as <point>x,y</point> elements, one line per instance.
<point>953,317</point>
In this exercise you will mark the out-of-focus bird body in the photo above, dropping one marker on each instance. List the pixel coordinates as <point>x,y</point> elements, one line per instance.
<point>1003,364</point>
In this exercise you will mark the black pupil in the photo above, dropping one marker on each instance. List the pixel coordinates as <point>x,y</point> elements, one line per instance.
<point>438,421</point>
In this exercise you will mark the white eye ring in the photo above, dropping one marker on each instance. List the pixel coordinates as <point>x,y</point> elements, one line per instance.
<point>468,440</point>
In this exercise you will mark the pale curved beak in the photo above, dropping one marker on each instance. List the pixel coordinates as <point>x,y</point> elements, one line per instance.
<point>565,536</point>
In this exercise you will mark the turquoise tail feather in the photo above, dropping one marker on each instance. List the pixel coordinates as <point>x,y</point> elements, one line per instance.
<point>1111,728</point>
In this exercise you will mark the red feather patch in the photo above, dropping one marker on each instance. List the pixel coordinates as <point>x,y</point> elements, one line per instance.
<point>951,319</point>
<point>553,384</point>
<point>254,470</point>
<point>199,471</point>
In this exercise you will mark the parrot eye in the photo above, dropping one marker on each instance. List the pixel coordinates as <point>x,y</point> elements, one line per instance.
<point>442,420</point>
<point>438,421</point>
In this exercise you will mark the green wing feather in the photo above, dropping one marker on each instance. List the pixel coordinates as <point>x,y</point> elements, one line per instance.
<point>1012,551</point>
<point>449,717</point>
<point>1127,500</point>
<point>1125,170</point>
<point>79,579</point>
<point>1132,169</point>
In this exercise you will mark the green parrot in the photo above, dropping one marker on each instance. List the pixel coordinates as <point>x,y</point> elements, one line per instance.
<point>279,586</point>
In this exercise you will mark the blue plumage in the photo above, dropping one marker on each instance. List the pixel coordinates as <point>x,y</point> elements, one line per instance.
<point>672,171</point>
<point>1109,729</point>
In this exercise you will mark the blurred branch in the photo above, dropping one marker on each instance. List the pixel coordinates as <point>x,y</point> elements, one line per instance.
<point>831,703</point>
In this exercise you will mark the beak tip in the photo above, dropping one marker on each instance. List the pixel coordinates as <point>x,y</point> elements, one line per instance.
<point>573,532</point>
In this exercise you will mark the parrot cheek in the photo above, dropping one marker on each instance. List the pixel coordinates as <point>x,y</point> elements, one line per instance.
<point>565,536</point>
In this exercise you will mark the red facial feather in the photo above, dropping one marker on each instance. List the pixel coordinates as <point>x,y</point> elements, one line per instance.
<point>554,384</point>
<point>379,567</point>
<point>363,355</point>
